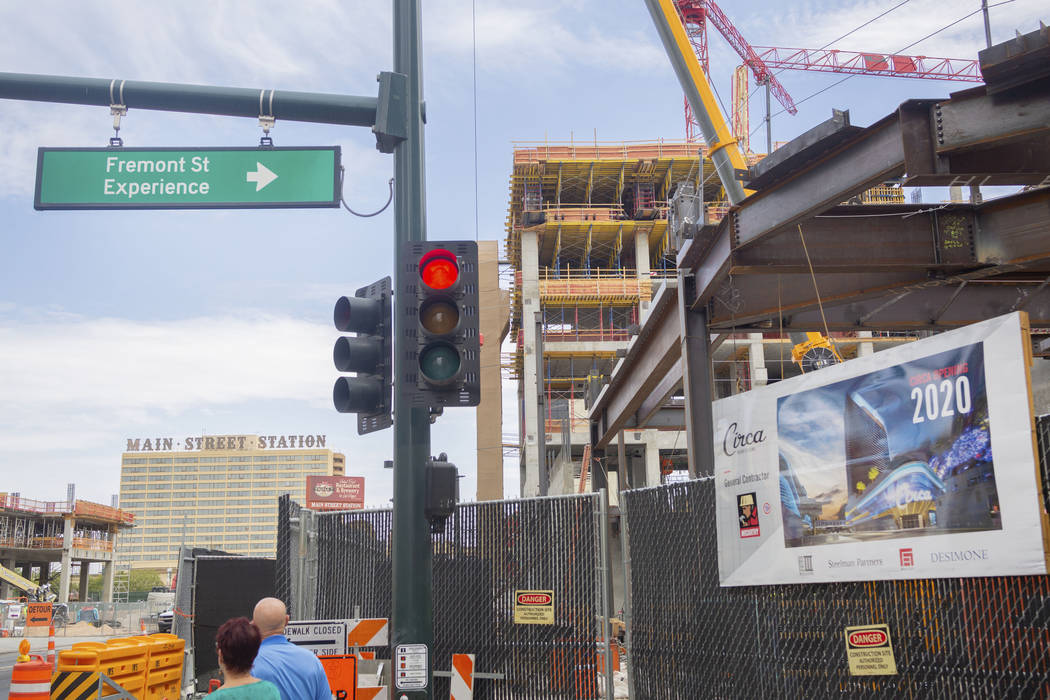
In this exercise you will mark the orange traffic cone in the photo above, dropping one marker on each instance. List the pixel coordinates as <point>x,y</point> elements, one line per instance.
<point>142,625</point>
<point>51,646</point>
<point>30,679</point>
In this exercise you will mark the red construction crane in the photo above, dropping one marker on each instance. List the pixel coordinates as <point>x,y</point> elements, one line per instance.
<point>763,60</point>
<point>868,63</point>
<point>695,16</point>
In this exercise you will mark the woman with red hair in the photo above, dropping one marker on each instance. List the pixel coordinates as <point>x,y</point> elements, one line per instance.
<point>237,643</point>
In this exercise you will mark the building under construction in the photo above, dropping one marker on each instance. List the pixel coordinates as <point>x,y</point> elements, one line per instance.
<point>592,233</point>
<point>587,237</point>
<point>73,533</point>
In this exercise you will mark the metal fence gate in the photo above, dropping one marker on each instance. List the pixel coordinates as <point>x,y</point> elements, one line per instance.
<point>337,565</point>
<point>689,638</point>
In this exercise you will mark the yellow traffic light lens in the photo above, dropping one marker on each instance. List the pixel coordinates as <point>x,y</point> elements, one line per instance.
<point>439,317</point>
<point>439,363</point>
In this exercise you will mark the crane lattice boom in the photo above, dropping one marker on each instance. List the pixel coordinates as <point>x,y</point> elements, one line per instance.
<point>867,63</point>
<point>698,12</point>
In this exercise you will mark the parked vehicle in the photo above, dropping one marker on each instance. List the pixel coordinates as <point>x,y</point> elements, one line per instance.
<point>164,620</point>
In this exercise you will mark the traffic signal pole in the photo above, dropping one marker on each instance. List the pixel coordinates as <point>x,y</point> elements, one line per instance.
<point>412,621</point>
<point>396,117</point>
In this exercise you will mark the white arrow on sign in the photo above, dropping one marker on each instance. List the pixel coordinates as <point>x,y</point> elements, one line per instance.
<point>262,176</point>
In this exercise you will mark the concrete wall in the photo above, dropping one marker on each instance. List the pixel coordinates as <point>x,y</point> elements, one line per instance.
<point>495,318</point>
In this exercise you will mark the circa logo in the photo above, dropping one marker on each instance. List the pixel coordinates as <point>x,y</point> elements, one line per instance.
<point>734,440</point>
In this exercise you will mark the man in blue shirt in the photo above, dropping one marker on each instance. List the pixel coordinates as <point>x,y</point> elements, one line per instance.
<point>295,671</point>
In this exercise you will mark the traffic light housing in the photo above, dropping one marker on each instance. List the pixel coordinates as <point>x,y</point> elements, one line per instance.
<point>368,354</point>
<point>441,491</point>
<point>438,306</point>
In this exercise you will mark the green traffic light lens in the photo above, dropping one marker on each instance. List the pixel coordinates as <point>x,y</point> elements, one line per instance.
<point>439,363</point>
<point>439,317</point>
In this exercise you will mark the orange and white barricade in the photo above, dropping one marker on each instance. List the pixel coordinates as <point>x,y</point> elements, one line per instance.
<point>368,632</point>
<point>462,677</point>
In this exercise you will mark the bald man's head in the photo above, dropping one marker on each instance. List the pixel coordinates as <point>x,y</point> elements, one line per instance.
<point>270,617</point>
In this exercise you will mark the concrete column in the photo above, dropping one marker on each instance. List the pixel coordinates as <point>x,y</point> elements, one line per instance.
<point>67,561</point>
<point>641,257</point>
<point>532,440</point>
<point>107,582</point>
<point>865,349</point>
<point>697,381</point>
<point>83,590</point>
<point>652,465</point>
<point>6,589</point>
<point>756,356</point>
<point>494,317</point>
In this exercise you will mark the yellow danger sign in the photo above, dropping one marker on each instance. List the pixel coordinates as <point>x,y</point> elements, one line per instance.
<point>870,651</point>
<point>534,607</point>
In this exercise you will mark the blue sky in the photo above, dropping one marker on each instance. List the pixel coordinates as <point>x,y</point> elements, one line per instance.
<point>137,324</point>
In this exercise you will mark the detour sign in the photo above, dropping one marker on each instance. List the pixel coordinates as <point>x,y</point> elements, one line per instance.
<point>341,671</point>
<point>534,607</point>
<point>38,614</point>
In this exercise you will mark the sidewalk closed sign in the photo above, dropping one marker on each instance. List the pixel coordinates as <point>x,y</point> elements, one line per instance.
<point>322,637</point>
<point>534,607</point>
<point>869,651</point>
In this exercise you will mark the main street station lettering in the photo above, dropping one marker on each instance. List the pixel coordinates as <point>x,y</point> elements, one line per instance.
<point>228,442</point>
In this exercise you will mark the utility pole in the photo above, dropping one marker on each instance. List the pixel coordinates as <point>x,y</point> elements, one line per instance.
<point>987,25</point>
<point>769,123</point>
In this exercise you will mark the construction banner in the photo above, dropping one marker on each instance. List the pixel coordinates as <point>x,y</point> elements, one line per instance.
<point>913,462</point>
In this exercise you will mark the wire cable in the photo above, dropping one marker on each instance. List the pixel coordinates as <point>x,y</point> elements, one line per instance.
<point>898,51</point>
<point>474,39</point>
<point>852,31</point>
<point>342,171</point>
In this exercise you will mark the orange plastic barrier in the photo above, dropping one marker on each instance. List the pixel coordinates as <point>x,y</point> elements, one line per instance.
<point>164,664</point>
<point>123,660</point>
<point>148,667</point>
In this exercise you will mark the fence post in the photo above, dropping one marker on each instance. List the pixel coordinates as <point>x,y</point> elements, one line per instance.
<point>294,570</point>
<point>603,558</point>
<point>626,546</point>
<point>308,523</point>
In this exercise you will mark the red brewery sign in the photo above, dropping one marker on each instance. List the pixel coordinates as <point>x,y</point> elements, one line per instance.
<point>335,492</point>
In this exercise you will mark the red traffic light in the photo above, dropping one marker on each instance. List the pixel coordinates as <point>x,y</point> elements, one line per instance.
<point>438,269</point>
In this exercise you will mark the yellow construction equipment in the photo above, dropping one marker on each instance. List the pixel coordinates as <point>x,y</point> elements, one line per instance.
<point>34,592</point>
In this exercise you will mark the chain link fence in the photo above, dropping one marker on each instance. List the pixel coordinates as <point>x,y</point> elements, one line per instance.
<point>689,638</point>
<point>287,551</point>
<point>488,552</point>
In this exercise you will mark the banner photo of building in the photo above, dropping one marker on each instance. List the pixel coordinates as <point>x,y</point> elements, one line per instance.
<point>335,492</point>
<point>914,462</point>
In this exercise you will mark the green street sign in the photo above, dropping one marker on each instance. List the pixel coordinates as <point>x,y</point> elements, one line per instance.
<point>187,178</point>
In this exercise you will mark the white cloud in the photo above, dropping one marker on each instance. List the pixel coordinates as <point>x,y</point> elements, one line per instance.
<point>111,364</point>
<point>541,39</point>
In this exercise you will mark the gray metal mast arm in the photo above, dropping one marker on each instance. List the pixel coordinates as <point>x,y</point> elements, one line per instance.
<point>202,99</point>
